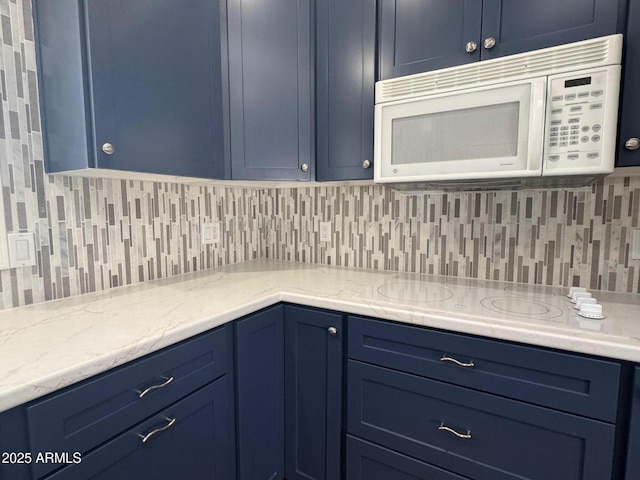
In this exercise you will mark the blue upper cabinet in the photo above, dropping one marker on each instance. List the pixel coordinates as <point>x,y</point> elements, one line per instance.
<point>521,25</point>
<point>133,85</point>
<point>345,78</point>
<point>629,127</point>
<point>270,86</point>
<point>421,35</point>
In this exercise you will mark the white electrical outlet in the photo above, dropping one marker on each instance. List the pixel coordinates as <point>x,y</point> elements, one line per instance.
<point>635,245</point>
<point>22,249</point>
<point>325,231</point>
<point>210,233</point>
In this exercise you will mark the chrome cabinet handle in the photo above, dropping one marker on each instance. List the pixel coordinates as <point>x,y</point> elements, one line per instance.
<point>471,47</point>
<point>108,149</point>
<point>464,436</point>
<point>155,387</point>
<point>457,362</point>
<point>157,430</point>
<point>304,167</point>
<point>333,331</point>
<point>366,164</point>
<point>632,144</point>
<point>489,43</point>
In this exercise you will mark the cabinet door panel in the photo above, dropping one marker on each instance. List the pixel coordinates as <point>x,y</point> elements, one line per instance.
<point>630,100</point>
<point>523,25</point>
<point>156,82</point>
<point>345,73</point>
<point>313,380</point>
<point>270,78</point>
<point>505,439</point>
<point>633,459</point>
<point>367,461</point>
<point>421,35</point>
<point>260,384</point>
<point>200,444</point>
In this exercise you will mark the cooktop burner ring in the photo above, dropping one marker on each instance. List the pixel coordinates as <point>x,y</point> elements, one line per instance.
<point>522,307</point>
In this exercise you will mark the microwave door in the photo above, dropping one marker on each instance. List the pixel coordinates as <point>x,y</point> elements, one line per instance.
<point>490,132</point>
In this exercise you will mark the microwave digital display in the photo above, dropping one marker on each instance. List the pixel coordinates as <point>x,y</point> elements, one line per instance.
<point>576,82</point>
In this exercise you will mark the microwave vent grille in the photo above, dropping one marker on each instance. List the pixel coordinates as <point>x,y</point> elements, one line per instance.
<point>565,58</point>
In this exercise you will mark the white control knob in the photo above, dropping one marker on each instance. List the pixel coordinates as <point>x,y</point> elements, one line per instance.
<point>573,290</point>
<point>578,295</point>
<point>583,301</point>
<point>591,310</point>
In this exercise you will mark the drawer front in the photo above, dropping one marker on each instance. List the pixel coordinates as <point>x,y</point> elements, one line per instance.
<point>507,439</point>
<point>84,416</point>
<point>562,381</point>
<point>366,461</point>
<point>193,439</point>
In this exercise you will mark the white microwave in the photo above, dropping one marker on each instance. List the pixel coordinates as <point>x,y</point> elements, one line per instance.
<point>546,113</point>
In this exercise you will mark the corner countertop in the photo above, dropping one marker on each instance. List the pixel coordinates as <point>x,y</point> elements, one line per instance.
<point>48,346</point>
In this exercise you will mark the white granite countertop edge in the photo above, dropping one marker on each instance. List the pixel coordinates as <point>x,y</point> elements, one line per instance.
<point>49,346</point>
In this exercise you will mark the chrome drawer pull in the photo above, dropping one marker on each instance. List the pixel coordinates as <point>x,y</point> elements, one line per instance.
<point>157,430</point>
<point>155,387</point>
<point>464,436</point>
<point>457,362</point>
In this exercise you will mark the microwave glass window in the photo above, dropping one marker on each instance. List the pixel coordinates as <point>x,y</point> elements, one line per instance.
<point>489,131</point>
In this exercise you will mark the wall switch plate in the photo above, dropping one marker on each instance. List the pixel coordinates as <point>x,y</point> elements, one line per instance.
<point>325,231</point>
<point>635,245</point>
<point>210,233</point>
<point>22,249</point>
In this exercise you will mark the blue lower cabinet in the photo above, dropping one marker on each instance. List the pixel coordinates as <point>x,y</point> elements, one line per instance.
<point>474,434</point>
<point>633,458</point>
<point>260,395</point>
<point>192,439</point>
<point>14,443</point>
<point>313,380</point>
<point>367,461</point>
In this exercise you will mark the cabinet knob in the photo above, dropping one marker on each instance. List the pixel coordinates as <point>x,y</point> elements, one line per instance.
<point>333,331</point>
<point>632,143</point>
<point>304,167</point>
<point>108,149</point>
<point>366,164</point>
<point>489,43</point>
<point>471,47</point>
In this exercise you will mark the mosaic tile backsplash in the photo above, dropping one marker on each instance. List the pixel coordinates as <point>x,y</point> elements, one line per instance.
<point>550,237</point>
<point>95,234</point>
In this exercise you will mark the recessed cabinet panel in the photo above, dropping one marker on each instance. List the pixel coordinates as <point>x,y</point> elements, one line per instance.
<point>260,387</point>
<point>313,392</point>
<point>523,25</point>
<point>421,35</point>
<point>192,439</point>
<point>270,82</point>
<point>472,433</point>
<point>629,128</point>
<point>367,461</point>
<point>132,85</point>
<point>345,77</point>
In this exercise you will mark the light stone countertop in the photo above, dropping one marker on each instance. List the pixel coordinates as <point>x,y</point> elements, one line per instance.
<point>48,346</point>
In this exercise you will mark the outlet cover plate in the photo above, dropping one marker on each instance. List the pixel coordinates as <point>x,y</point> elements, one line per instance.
<point>22,249</point>
<point>210,233</point>
<point>325,231</point>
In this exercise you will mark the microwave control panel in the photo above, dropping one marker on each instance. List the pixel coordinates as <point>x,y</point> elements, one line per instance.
<point>581,121</point>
